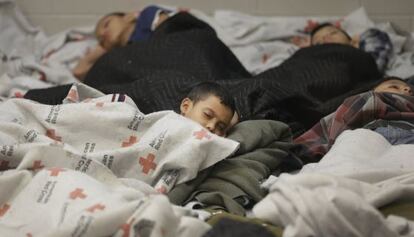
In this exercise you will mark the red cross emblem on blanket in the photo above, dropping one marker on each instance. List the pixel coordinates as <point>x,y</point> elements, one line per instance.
<point>265,57</point>
<point>77,193</point>
<point>147,164</point>
<point>52,134</point>
<point>162,190</point>
<point>73,95</point>
<point>4,209</point>
<point>96,207</point>
<point>18,94</point>
<point>4,165</point>
<point>99,104</point>
<point>202,134</point>
<point>130,142</point>
<point>311,25</point>
<point>126,227</point>
<point>55,171</point>
<point>37,165</point>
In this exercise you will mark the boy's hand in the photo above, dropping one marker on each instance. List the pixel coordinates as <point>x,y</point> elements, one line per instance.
<point>85,63</point>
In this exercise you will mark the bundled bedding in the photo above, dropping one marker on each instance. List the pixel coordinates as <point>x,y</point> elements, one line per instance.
<point>98,158</point>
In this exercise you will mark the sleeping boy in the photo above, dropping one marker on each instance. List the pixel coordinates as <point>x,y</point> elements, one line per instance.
<point>118,29</point>
<point>210,105</point>
<point>388,109</point>
<point>373,41</point>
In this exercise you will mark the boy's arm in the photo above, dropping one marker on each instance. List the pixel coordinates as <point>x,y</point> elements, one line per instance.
<point>85,63</point>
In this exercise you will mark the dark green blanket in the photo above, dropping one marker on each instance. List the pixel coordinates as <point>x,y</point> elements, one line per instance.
<point>234,183</point>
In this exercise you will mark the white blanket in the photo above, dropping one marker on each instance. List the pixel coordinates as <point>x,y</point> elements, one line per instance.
<point>30,59</point>
<point>338,196</point>
<point>261,42</point>
<point>58,201</point>
<point>87,168</point>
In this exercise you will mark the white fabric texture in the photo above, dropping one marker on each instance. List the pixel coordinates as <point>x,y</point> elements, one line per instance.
<point>31,59</point>
<point>88,167</point>
<point>111,130</point>
<point>338,196</point>
<point>364,155</point>
<point>63,202</point>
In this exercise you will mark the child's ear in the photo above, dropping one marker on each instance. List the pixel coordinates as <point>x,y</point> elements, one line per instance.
<point>186,105</point>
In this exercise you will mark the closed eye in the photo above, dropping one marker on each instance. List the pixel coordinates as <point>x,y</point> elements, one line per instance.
<point>208,115</point>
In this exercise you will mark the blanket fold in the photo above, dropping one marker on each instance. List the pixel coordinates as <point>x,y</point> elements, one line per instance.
<point>234,183</point>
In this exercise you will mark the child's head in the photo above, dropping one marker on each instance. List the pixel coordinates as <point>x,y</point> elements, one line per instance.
<point>394,85</point>
<point>210,105</point>
<point>112,28</point>
<point>327,33</point>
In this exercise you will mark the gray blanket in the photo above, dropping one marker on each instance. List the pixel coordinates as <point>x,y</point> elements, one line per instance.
<point>234,184</point>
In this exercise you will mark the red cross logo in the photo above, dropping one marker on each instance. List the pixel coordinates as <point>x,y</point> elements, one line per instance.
<point>18,94</point>
<point>37,165</point>
<point>73,95</point>
<point>77,193</point>
<point>55,171</point>
<point>265,57</point>
<point>52,134</point>
<point>162,190</point>
<point>201,134</point>
<point>147,164</point>
<point>99,104</point>
<point>132,140</point>
<point>96,207</point>
<point>311,25</point>
<point>126,227</point>
<point>42,76</point>
<point>4,165</point>
<point>4,209</point>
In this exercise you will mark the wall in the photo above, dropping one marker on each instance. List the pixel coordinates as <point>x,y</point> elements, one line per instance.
<point>56,15</point>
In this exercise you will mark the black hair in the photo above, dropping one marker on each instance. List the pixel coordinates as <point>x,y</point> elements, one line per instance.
<point>202,90</point>
<point>389,78</point>
<point>326,24</point>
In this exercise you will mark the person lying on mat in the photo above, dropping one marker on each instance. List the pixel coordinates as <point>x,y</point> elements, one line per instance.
<point>119,29</point>
<point>210,105</point>
<point>387,109</point>
<point>373,41</point>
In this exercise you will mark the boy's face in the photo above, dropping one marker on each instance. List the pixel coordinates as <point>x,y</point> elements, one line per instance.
<point>394,86</point>
<point>109,30</point>
<point>210,113</point>
<point>330,34</point>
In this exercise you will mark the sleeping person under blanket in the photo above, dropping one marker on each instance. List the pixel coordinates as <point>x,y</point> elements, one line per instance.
<point>158,72</point>
<point>388,110</point>
<point>118,29</point>
<point>373,41</point>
